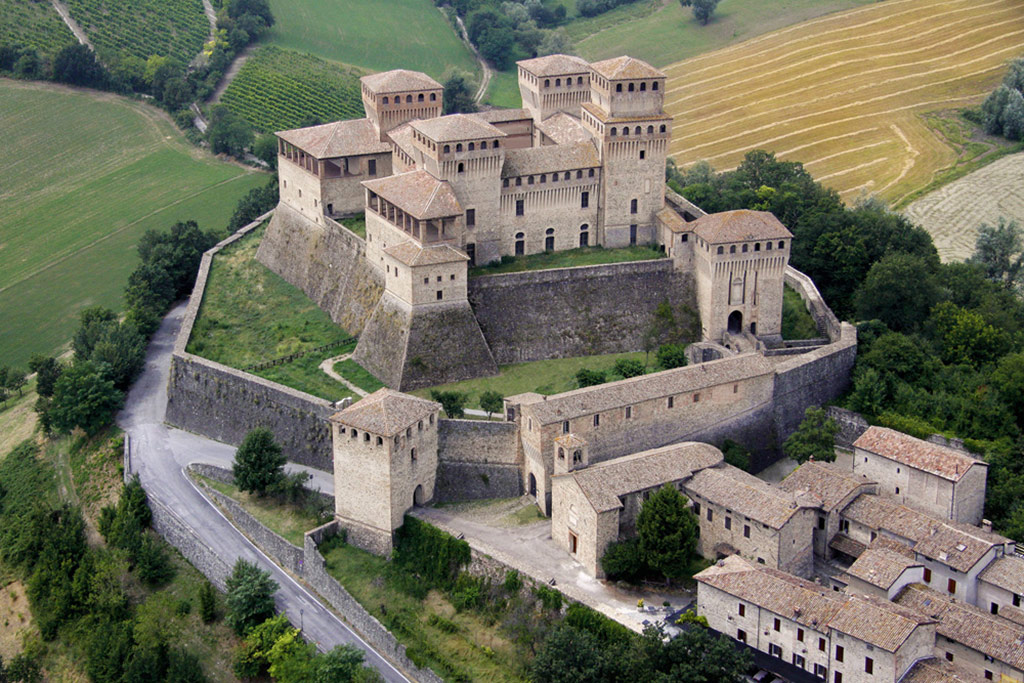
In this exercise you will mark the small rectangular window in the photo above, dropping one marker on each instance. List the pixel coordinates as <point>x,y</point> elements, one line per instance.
<point>584,200</point>
<point>949,656</point>
<point>869,665</point>
<point>597,420</point>
<point>440,295</point>
<point>412,454</point>
<point>470,217</point>
<point>777,625</point>
<point>821,644</point>
<point>741,635</point>
<point>519,207</point>
<point>371,167</point>
<point>565,427</point>
<point>710,514</point>
<point>746,531</point>
<point>743,610</point>
<point>800,634</point>
<point>994,608</point>
<point>821,521</point>
<point>728,522</point>
<point>671,401</point>
<point>696,398</point>
<point>839,677</point>
<point>1016,599</point>
<point>951,586</point>
<point>629,412</point>
<point>839,653</point>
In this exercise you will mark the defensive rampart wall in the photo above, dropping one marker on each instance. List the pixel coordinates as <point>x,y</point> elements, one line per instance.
<point>477,459</point>
<point>580,311</point>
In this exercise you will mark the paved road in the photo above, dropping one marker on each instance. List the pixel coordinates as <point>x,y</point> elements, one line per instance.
<point>159,456</point>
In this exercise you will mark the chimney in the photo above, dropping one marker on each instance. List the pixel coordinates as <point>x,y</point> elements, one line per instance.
<point>986,525</point>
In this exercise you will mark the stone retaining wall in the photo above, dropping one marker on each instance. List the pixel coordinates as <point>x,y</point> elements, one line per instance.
<point>477,441</point>
<point>851,426</point>
<point>458,481</point>
<point>176,532</point>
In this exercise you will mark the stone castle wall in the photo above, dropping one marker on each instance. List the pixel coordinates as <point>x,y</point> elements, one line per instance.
<point>326,262</point>
<point>477,460</point>
<point>580,311</point>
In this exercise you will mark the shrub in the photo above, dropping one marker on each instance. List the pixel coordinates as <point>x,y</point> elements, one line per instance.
<point>672,356</point>
<point>550,598</point>
<point>513,581</point>
<point>589,378</point>
<point>259,463</point>
<point>429,554</point>
<point>736,455</point>
<point>250,596</point>
<point>453,402</point>
<point>624,560</point>
<point>626,367</point>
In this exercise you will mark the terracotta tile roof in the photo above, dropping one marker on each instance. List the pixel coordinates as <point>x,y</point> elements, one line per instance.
<point>338,139</point>
<point>673,221</point>
<point>828,483</point>
<point>739,226</point>
<point>847,545</point>
<point>960,546</point>
<point>456,127</point>
<point>968,625</point>
<point>1007,572</point>
<point>564,129</point>
<point>744,494</point>
<point>403,139</point>
<point>605,482</point>
<point>628,392</point>
<point>400,80</point>
<point>936,671</point>
<point>603,116</point>
<point>502,115</point>
<point>877,622</point>
<point>555,65</point>
<point>1014,614</point>
<point>411,254</point>
<point>892,545</point>
<point>549,158</point>
<point>386,412</point>
<point>880,567</point>
<point>625,67</point>
<point>417,193</point>
<point>945,462</point>
<point>802,601</point>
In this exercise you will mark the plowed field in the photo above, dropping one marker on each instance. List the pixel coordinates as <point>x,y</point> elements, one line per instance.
<point>843,93</point>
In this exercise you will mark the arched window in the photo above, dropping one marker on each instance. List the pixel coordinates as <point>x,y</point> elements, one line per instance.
<point>558,82</point>
<point>447,149</point>
<point>650,130</point>
<point>721,250</point>
<point>520,244</point>
<point>420,98</point>
<point>662,129</point>
<point>637,131</point>
<point>632,206</point>
<point>745,248</point>
<point>732,249</point>
<point>615,132</point>
<point>408,99</point>
<point>549,231</point>
<point>458,147</point>
<point>643,87</point>
<point>584,235</point>
<point>568,175</point>
<point>782,245</point>
<point>543,177</point>
<point>579,174</point>
<point>631,87</point>
<point>579,80</point>
<point>471,147</point>
<point>561,453</point>
<point>757,246</point>
<point>433,97</point>
<point>625,130</point>
<point>618,87</point>
<point>590,173</point>
<point>547,82</point>
<point>461,167</point>
<point>495,145</point>
<point>483,144</point>
<point>385,99</point>
<point>654,86</point>
<point>768,246</point>
<point>549,239</point>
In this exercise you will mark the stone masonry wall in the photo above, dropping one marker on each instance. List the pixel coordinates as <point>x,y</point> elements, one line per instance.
<point>201,556</point>
<point>477,460</point>
<point>324,261</point>
<point>586,310</point>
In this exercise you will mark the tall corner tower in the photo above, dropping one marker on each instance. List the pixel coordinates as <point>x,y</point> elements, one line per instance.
<point>627,118</point>
<point>392,98</point>
<point>552,84</point>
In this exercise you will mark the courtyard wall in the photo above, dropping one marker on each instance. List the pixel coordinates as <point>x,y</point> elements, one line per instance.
<point>477,459</point>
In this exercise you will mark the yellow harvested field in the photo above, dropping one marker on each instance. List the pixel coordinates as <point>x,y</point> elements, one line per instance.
<point>843,93</point>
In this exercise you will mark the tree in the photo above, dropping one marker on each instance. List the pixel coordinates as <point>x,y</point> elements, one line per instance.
<point>228,133</point>
<point>207,603</point>
<point>47,371</point>
<point>1008,380</point>
<point>555,42</point>
<point>899,290</point>
<point>814,438</point>
<point>265,149</point>
<point>624,560</point>
<point>93,323</point>
<point>589,378</point>
<point>703,10</point>
<point>121,352</point>
<point>569,655</point>
<point>250,597</point>
<point>491,402</point>
<point>672,356</point>
<point>342,663</point>
<point>458,95</point>
<point>16,379</point>
<point>1013,116</point>
<point>696,656</point>
<point>999,249</point>
<point>259,463</point>
<point>668,532</point>
<point>453,402</point>
<point>83,397</point>
<point>736,454</point>
<point>76,64</point>
<point>627,367</point>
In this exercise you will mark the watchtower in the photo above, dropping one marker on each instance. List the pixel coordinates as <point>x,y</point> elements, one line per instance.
<point>392,98</point>
<point>627,118</point>
<point>385,462</point>
<point>571,453</point>
<point>552,84</point>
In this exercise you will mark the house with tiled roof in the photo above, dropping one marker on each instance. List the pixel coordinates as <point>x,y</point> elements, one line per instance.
<point>936,479</point>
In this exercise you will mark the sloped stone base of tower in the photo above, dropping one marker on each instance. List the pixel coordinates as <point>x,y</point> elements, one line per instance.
<point>412,347</point>
<point>324,260</point>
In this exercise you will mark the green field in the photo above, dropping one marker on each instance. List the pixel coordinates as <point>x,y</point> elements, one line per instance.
<point>279,89</point>
<point>662,32</point>
<point>169,28</point>
<point>82,176</point>
<point>374,35</point>
<point>33,24</point>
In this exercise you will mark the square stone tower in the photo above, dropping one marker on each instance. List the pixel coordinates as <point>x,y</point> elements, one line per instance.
<point>627,118</point>
<point>552,84</point>
<point>392,98</point>
<point>385,462</point>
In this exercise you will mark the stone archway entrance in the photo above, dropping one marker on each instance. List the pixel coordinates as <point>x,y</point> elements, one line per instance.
<point>533,485</point>
<point>735,322</point>
<point>417,495</point>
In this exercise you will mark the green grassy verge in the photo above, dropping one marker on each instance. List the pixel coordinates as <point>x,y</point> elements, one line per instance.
<point>18,418</point>
<point>503,90</point>
<point>355,373</point>
<point>663,32</point>
<point>287,521</point>
<point>278,89</point>
<point>169,28</point>
<point>34,24</point>
<point>401,34</point>
<point>356,224</point>
<point>84,175</point>
<point>543,376</point>
<point>434,633</point>
<point>305,375</point>
<point>583,256</point>
<point>797,322</point>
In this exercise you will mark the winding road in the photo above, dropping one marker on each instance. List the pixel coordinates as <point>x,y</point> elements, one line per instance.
<point>160,454</point>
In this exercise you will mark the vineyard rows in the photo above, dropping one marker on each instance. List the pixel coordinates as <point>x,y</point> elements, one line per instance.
<point>170,28</point>
<point>277,90</point>
<point>33,24</point>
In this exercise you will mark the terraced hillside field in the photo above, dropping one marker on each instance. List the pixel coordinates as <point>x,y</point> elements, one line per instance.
<point>82,176</point>
<point>843,93</point>
<point>953,213</point>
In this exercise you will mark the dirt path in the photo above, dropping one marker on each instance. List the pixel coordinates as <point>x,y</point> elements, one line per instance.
<point>486,70</point>
<point>62,10</point>
<point>211,16</point>
<point>230,74</point>
<point>328,367</point>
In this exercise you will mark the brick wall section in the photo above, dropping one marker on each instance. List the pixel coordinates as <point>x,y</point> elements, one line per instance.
<point>315,573</point>
<point>579,311</point>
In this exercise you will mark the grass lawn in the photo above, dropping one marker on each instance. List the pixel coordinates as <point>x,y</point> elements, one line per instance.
<point>503,90</point>
<point>287,521</point>
<point>401,34</point>
<point>797,322</point>
<point>583,256</point>
<point>305,375</point>
<point>83,175</point>
<point>18,418</point>
<point>542,376</point>
<point>456,645</point>
<point>847,94</point>
<point>355,373</point>
<point>356,224</point>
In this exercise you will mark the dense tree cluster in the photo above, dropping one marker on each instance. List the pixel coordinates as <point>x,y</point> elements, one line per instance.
<point>1002,112</point>
<point>591,8</point>
<point>508,30</point>
<point>703,10</point>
